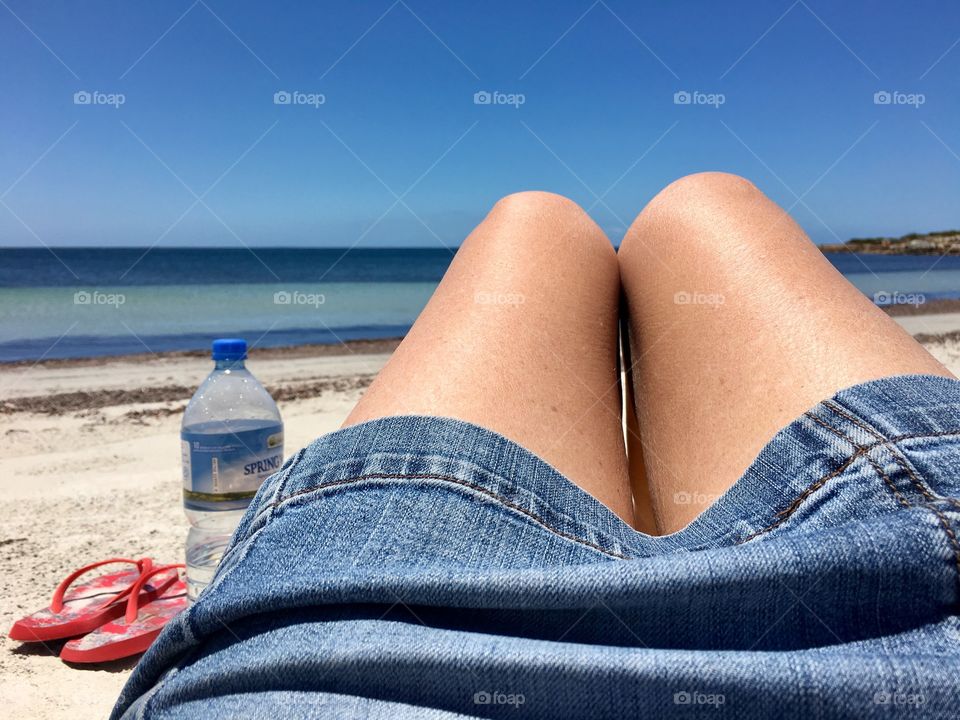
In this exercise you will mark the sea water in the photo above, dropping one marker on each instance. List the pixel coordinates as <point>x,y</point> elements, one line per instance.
<point>88,302</point>
<point>231,441</point>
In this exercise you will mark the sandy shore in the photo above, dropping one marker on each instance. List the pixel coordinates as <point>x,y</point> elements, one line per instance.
<point>90,468</point>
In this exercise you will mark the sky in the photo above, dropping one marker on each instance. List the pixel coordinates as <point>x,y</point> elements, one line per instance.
<point>400,123</point>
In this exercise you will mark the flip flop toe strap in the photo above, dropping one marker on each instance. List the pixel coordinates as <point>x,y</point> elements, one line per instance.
<point>133,602</point>
<point>144,565</point>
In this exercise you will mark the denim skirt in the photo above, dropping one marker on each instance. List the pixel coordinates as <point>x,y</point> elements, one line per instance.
<point>426,567</point>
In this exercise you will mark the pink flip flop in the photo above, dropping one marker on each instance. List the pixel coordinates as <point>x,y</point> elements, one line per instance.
<point>138,628</point>
<point>88,605</point>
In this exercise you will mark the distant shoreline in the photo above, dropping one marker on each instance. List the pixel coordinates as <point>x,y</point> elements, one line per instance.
<point>942,242</point>
<point>868,250</point>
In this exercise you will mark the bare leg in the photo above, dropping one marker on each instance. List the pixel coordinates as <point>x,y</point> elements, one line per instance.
<point>521,338</point>
<point>737,324</point>
<point>644,518</point>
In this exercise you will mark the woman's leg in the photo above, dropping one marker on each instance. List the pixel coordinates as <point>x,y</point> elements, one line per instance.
<point>737,325</point>
<point>521,338</point>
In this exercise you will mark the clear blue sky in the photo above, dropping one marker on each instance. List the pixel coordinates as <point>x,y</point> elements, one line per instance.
<point>599,118</point>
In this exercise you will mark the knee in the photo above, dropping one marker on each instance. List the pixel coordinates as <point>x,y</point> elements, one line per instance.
<point>545,208</point>
<point>688,203</point>
<point>701,191</point>
<point>707,183</point>
<point>549,224</point>
<point>536,201</point>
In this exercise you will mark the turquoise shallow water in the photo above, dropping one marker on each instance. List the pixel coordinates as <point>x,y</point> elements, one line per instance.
<point>86,302</point>
<point>77,322</point>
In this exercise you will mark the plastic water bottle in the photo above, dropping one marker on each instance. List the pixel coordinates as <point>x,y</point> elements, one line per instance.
<point>231,440</point>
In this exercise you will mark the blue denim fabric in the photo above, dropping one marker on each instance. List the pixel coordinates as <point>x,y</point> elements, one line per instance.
<point>426,567</point>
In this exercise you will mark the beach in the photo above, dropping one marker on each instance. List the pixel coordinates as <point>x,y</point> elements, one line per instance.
<point>90,469</point>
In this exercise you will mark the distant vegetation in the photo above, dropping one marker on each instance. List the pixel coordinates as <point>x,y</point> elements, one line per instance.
<point>941,242</point>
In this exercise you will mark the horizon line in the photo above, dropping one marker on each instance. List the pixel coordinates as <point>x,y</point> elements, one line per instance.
<point>251,248</point>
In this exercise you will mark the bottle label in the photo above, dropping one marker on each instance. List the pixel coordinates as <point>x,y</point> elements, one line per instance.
<point>223,471</point>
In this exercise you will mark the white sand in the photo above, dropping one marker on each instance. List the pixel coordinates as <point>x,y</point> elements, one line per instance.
<point>930,324</point>
<point>86,485</point>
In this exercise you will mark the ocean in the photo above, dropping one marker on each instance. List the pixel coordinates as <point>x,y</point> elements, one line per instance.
<point>85,302</point>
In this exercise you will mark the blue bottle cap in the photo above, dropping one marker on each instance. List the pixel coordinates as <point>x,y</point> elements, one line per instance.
<point>230,349</point>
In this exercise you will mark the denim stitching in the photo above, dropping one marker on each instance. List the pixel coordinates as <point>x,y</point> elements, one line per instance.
<point>951,535</point>
<point>876,466</point>
<point>946,433</point>
<point>855,420</point>
<point>920,487</point>
<point>886,479</point>
<point>917,436</point>
<point>333,467</point>
<point>784,514</point>
<point>843,436</point>
<point>456,481</point>
<point>282,484</point>
<point>898,456</point>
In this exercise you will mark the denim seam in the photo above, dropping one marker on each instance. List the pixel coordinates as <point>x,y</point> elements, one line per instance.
<point>870,430</point>
<point>906,467</point>
<point>784,514</point>
<point>860,448</point>
<point>463,467</point>
<point>297,459</point>
<point>901,459</point>
<point>839,433</point>
<point>916,436</point>
<point>951,536</point>
<point>895,451</point>
<point>887,481</point>
<point>455,481</point>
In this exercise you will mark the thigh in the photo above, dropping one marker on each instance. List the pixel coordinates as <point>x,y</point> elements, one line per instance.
<point>521,337</point>
<point>737,324</point>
